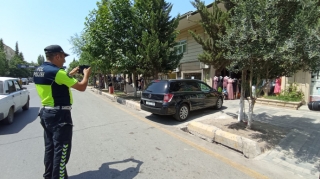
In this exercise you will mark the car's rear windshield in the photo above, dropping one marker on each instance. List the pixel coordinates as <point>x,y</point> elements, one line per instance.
<point>157,87</point>
<point>1,87</point>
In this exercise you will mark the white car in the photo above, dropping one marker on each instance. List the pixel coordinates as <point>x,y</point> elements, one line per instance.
<point>13,97</point>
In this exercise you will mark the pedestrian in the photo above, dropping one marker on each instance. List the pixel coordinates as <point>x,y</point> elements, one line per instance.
<point>53,86</point>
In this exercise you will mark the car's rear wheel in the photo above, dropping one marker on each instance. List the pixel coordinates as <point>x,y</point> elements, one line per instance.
<point>182,112</point>
<point>219,103</point>
<point>9,118</point>
<point>26,106</point>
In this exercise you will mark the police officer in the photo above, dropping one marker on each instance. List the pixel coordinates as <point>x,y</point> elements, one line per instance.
<point>53,86</point>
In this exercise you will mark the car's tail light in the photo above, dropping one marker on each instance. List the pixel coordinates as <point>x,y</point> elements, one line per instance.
<point>167,98</point>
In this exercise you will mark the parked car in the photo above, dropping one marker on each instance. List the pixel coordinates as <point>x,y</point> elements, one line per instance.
<point>25,81</point>
<point>13,97</point>
<point>178,97</point>
<point>30,79</point>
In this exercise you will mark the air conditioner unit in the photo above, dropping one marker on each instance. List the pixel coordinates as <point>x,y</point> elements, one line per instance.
<point>203,66</point>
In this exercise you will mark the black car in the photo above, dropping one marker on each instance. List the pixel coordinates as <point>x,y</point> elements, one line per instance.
<point>178,97</point>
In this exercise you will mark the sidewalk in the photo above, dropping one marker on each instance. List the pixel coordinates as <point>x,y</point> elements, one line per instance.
<point>298,152</point>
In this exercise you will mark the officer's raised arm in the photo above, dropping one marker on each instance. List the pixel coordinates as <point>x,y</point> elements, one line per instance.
<point>81,86</point>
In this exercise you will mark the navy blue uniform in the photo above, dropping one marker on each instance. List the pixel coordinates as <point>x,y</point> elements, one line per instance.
<point>53,86</point>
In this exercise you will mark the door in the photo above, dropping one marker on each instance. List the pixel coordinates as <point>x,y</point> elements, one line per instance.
<point>14,94</point>
<point>193,92</point>
<point>210,95</point>
<point>23,93</point>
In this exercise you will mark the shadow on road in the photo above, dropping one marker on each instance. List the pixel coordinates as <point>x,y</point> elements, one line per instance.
<point>169,120</point>
<point>21,120</point>
<point>105,171</point>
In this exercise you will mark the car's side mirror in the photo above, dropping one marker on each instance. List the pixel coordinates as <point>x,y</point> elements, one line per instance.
<point>7,91</point>
<point>24,87</point>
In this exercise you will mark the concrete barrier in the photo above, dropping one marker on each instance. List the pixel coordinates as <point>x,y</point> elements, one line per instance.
<point>205,131</point>
<point>248,147</point>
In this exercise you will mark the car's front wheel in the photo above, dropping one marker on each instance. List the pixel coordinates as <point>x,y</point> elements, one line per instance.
<point>182,113</point>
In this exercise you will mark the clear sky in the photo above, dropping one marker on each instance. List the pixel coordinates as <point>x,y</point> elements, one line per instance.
<point>35,24</point>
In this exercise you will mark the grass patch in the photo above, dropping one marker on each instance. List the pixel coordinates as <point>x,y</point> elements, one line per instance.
<point>283,98</point>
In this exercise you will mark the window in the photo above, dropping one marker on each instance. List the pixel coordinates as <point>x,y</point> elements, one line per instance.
<point>157,87</point>
<point>192,86</point>
<point>181,47</point>
<point>204,87</point>
<point>175,86</point>
<point>1,88</point>
<point>16,84</point>
<point>184,86</point>
<point>11,87</point>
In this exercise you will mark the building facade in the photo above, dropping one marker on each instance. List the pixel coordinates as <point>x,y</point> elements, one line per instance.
<point>191,68</point>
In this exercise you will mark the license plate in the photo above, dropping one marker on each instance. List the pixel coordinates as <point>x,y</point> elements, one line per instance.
<point>150,103</point>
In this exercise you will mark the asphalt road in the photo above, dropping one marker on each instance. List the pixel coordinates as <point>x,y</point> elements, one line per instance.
<point>112,141</point>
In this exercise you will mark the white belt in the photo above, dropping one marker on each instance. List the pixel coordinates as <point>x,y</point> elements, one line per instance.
<point>58,107</point>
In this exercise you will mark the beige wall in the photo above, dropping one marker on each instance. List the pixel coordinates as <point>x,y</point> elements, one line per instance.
<point>303,79</point>
<point>193,48</point>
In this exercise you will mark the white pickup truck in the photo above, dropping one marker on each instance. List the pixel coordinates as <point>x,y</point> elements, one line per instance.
<point>13,97</point>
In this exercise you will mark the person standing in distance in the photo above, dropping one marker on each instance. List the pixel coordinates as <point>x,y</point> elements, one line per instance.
<point>53,86</point>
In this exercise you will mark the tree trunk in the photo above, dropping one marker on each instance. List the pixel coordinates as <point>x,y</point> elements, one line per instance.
<point>251,101</point>
<point>105,81</point>
<point>125,83</point>
<point>112,82</point>
<point>134,84</point>
<point>242,94</point>
<point>251,104</point>
<point>99,80</point>
<point>155,75</point>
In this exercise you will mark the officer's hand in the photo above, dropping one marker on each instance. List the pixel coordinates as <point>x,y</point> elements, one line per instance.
<point>74,71</point>
<point>87,71</point>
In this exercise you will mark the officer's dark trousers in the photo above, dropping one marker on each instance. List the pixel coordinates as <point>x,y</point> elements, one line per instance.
<point>57,126</point>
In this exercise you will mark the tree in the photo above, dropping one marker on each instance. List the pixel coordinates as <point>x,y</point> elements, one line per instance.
<point>72,65</point>
<point>40,59</point>
<point>14,71</point>
<point>156,45</point>
<point>214,25</point>
<point>3,59</point>
<point>21,56</point>
<point>99,37</point>
<point>17,49</point>
<point>275,37</point>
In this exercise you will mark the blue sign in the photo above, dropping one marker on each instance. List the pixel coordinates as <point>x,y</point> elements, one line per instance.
<point>26,66</point>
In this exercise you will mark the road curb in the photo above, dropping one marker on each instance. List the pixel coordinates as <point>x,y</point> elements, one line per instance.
<point>248,147</point>
<point>128,103</point>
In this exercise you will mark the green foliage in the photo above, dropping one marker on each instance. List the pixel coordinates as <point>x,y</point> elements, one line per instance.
<point>130,38</point>
<point>14,71</point>
<point>99,36</point>
<point>17,49</point>
<point>158,39</point>
<point>21,56</point>
<point>40,59</point>
<point>291,93</point>
<point>273,38</point>
<point>214,25</point>
<point>3,60</point>
<point>72,65</point>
